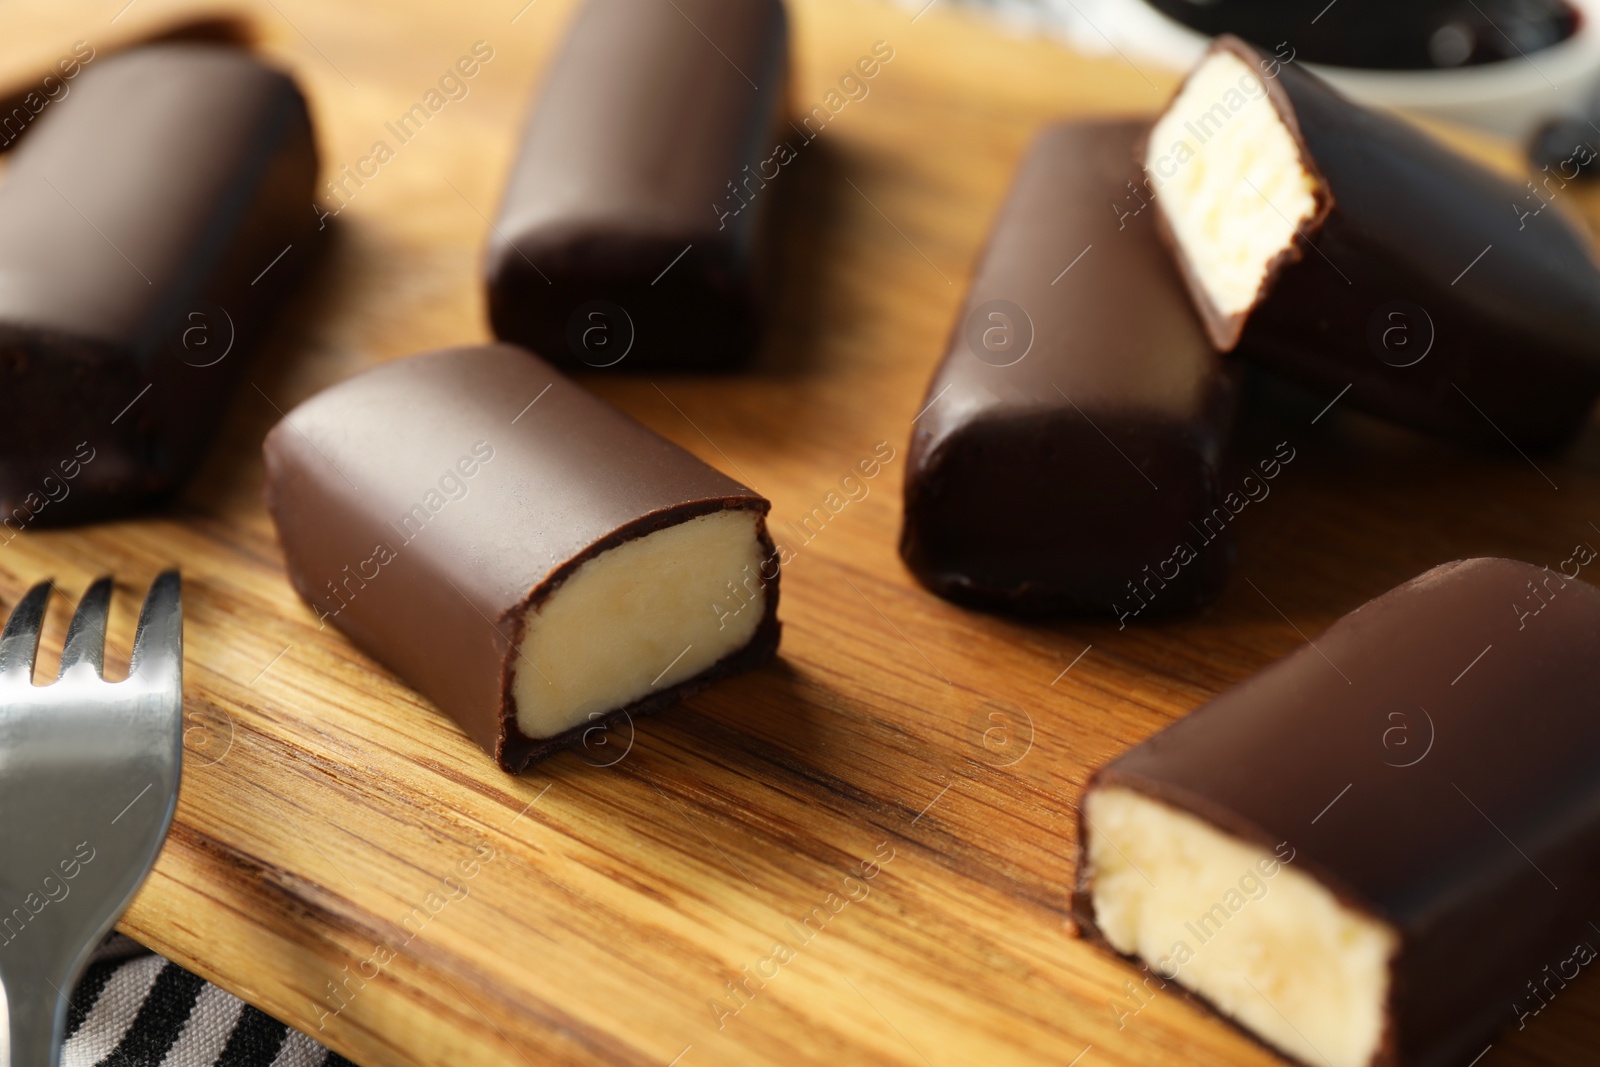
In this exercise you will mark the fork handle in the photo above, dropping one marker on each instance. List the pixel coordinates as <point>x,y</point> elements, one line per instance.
<point>36,1017</point>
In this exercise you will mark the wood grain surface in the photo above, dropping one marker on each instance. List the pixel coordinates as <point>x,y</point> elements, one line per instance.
<point>345,859</point>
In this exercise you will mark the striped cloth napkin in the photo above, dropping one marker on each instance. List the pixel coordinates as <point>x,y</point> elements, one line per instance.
<point>134,1009</point>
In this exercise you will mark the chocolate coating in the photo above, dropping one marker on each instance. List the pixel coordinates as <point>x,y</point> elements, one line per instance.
<point>1049,483</point>
<point>140,225</point>
<point>1506,307</point>
<point>570,477</point>
<point>1495,697</point>
<point>653,112</point>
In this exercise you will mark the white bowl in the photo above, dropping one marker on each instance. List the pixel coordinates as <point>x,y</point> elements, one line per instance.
<point>1510,97</point>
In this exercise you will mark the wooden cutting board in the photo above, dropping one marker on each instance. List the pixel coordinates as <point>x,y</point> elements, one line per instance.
<point>880,825</point>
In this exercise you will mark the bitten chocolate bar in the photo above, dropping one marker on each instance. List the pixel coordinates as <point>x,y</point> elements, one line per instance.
<point>615,245</point>
<point>528,557</point>
<point>1072,435</point>
<point>1369,853</point>
<point>1349,248</point>
<point>149,226</point>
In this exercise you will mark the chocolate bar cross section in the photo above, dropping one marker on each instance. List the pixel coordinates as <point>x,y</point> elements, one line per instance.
<point>1377,851</point>
<point>533,560</point>
<point>1350,249</point>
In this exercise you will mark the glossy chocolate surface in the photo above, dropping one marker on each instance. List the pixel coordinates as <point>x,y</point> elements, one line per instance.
<point>1434,759</point>
<point>615,246</point>
<point>1071,437</point>
<point>438,595</point>
<point>150,222</point>
<point>1447,297</point>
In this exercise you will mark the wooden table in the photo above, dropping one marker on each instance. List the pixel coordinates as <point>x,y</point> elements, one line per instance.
<point>329,816</point>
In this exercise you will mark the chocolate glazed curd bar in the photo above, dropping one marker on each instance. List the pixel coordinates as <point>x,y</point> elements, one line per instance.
<point>1073,432</point>
<point>528,557</point>
<point>1348,248</point>
<point>150,224</point>
<point>1371,852</point>
<point>615,244</point>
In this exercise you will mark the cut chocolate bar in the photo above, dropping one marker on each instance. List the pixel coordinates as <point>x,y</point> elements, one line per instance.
<point>1069,445</point>
<point>531,559</point>
<point>149,226</point>
<point>1356,854</point>
<point>630,232</point>
<point>1348,248</point>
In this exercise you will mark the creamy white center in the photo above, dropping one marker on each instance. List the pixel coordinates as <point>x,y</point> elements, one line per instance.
<point>1229,179</point>
<point>643,616</point>
<point>1266,943</point>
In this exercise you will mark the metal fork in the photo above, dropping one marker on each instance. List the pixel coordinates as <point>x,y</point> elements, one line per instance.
<point>88,782</point>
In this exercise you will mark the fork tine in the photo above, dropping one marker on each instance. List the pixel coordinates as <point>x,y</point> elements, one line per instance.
<point>158,645</point>
<point>86,633</point>
<point>20,642</point>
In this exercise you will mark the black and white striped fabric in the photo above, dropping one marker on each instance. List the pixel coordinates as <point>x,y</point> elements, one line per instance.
<point>133,1008</point>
